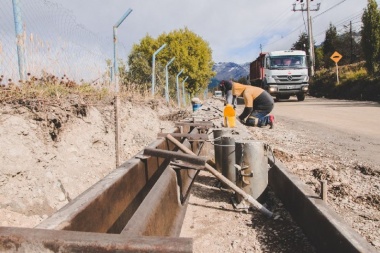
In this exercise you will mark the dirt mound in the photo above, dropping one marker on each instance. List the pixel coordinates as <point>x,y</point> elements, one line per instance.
<point>50,153</point>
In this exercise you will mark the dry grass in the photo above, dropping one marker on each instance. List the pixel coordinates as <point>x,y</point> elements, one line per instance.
<point>51,90</point>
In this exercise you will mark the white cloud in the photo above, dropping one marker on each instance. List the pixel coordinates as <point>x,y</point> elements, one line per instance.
<point>233,29</point>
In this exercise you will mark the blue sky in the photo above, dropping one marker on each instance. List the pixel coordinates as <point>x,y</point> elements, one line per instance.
<point>234,29</point>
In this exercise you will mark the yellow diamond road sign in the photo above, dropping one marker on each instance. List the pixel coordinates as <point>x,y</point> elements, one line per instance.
<point>336,57</point>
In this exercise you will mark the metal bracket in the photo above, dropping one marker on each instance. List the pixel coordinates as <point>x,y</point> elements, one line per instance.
<point>141,157</point>
<point>242,175</point>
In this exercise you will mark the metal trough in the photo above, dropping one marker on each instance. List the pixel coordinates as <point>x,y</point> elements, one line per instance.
<point>140,206</point>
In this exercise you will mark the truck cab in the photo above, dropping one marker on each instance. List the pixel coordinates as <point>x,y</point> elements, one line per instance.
<point>281,73</point>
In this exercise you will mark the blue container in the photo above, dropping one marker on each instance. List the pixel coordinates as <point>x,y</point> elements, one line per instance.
<point>196,107</point>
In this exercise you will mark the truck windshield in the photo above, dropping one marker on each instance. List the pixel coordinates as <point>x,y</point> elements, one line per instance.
<point>287,62</point>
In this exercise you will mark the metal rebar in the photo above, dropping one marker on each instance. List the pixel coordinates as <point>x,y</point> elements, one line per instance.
<point>177,155</point>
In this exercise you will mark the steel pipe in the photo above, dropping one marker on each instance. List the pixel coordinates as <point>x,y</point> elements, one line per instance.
<point>224,180</point>
<point>228,158</point>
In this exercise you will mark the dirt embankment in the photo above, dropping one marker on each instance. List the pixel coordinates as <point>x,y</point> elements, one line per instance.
<point>49,155</point>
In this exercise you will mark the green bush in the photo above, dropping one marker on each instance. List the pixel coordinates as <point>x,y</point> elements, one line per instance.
<point>355,84</point>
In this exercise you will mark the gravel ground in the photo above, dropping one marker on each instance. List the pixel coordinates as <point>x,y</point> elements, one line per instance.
<point>313,153</point>
<point>40,174</point>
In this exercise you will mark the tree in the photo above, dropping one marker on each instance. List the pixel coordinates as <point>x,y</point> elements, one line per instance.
<point>302,43</point>
<point>191,52</point>
<point>348,47</point>
<point>319,58</point>
<point>371,37</point>
<point>139,61</point>
<point>330,45</point>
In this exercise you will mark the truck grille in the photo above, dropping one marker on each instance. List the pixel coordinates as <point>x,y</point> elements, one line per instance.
<point>289,79</point>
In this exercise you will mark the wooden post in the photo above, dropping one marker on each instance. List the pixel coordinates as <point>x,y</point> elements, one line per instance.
<point>117,129</point>
<point>324,190</point>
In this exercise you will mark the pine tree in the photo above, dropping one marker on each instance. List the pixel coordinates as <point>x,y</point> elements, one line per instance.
<point>330,45</point>
<point>319,58</point>
<point>371,37</point>
<point>302,43</point>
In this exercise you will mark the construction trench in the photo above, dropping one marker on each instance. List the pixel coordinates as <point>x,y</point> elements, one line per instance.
<point>141,205</point>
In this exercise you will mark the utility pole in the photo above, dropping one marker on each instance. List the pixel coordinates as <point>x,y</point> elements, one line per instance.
<point>351,44</point>
<point>351,41</point>
<point>310,31</point>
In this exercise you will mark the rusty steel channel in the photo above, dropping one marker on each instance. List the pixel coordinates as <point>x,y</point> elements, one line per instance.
<point>141,205</point>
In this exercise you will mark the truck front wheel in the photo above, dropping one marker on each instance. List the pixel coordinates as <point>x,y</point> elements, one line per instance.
<point>301,97</point>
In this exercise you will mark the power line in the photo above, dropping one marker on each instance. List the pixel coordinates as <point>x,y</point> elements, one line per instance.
<point>275,22</point>
<point>310,32</point>
<point>304,22</point>
<point>342,22</point>
<point>356,15</point>
<point>283,37</point>
<point>329,9</point>
<point>351,17</point>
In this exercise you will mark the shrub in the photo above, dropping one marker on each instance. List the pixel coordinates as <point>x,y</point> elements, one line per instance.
<point>354,84</point>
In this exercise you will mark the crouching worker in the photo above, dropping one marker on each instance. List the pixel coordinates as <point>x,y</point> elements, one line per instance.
<point>258,105</point>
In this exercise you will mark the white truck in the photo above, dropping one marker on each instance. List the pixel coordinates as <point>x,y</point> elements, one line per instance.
<point>281,73</point>
<point>218,94</point>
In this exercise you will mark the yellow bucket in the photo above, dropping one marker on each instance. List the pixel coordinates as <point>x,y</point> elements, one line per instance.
<point>229,116</point>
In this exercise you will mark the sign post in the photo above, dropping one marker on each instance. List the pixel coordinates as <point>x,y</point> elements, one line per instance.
<point>336,58</point>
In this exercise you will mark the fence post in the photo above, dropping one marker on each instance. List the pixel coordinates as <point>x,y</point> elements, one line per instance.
<point>183,91</point>
<point>154,67</point>
<point>178,99</point>
<point>117,95</point>
<point>167,80</point>
<point>20,36</point>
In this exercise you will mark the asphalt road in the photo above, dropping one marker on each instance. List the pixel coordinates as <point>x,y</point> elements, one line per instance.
<point>354,123</point>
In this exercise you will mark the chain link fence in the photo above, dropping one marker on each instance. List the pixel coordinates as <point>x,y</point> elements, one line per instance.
<point>52,44</point>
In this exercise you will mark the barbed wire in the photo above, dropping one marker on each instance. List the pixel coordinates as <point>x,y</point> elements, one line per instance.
<point>55,44</point>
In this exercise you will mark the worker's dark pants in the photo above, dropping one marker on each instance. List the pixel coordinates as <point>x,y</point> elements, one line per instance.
<point>260,117</point>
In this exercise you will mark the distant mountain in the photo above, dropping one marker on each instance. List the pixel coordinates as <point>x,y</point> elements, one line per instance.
<point>228,71</point>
